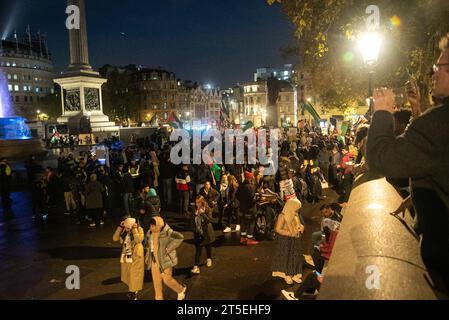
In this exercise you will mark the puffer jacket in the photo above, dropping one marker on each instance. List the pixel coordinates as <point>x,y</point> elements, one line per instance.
<point>169,241</point>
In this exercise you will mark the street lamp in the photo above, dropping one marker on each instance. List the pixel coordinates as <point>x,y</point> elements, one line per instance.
<point>369,45</point>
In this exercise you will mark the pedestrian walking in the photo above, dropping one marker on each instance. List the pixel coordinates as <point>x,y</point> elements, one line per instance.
<point>203,232</point>
<point>161,257</point>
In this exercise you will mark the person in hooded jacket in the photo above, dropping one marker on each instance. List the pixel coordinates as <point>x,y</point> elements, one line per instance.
<point>161,257</point>
<point>131,237</point>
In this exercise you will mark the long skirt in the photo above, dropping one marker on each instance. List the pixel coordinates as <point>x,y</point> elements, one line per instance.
<point>288,258</point>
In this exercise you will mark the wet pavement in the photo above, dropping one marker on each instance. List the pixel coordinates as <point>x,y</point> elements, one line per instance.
<point>35,256</point>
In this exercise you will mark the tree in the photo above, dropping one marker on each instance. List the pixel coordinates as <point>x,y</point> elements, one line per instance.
<point>327,30</point>
<point>119,98</point>
<point>51,104</point>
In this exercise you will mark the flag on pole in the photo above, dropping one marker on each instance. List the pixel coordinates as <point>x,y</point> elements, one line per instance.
<point>28,32</point>
<point>248,126</point>
<point>17,41</point>
<point>174,121</point>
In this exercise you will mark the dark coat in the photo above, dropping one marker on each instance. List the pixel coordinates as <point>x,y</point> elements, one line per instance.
<point>211,196</point>
<point>203,174</point>
<point>128,183</point>
<point>245,195</point>
<point>422,154</point>
<point>208,236</point>
<point>94,195</point>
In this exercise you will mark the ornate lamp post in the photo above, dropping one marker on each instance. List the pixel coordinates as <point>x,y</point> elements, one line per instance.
<point>369,45</point>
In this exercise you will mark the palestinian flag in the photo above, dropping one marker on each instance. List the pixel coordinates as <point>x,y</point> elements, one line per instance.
<point>56,137</point>
<point>248,126</point>
<point>174,121</point>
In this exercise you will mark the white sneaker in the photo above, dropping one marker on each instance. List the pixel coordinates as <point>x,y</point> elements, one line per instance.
<point>195,270</point>
<point>289,295</point>
<point>237,227</point>
<point>92,225</point>
<point>182,295</point>
<point>227,230</point>
<point>101,223</point>
<point>209,263</point>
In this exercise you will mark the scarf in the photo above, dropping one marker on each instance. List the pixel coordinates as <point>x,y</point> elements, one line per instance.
<point>290,212</point>
<point>127,240</point>
<point>223,189</point>
<point>199,222</point>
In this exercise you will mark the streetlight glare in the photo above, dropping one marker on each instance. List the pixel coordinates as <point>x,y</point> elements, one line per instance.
<point>369,45</point>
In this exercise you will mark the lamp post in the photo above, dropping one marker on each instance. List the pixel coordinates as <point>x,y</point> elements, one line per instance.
<point>369,45</point>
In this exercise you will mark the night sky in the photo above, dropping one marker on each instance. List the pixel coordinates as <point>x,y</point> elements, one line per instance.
<point>221,42</point>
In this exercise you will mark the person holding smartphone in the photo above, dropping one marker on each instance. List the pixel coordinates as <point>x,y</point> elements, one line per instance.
<point>422,154</point>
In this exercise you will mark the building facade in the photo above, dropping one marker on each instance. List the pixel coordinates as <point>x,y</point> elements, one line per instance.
<point>255,98</point>
<point>284,73</point>
<point>287,105</point>
<point>157,93</point>
<point>28,70</point>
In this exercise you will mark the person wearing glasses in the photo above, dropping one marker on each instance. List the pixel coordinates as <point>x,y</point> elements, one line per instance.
<point>422,154</point>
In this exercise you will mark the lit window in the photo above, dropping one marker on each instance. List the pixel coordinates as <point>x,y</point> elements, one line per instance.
<point>14,64</point>
<point>15,77</point>
<point>285,73</point>
<point>10,87</point>
<point>16,87</point>
<point>25,88</point>
<point>9,76</point>
<point>8,64</point>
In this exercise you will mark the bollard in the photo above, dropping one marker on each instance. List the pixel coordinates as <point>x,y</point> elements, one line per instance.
<point>376,255</point>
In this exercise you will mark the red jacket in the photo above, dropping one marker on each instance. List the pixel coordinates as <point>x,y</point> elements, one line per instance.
<point>182,181</point>
<point>346,158</point>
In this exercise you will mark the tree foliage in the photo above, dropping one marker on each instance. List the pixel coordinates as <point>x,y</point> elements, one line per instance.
<point>327,30</point>
<point>119,98</point>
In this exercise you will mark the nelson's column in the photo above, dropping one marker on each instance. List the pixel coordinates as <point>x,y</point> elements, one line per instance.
<point>81,86</point>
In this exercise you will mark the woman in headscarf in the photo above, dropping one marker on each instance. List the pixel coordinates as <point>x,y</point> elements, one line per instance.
<point>288,258</point>
<point>131,236</point>
<point>161,257</point>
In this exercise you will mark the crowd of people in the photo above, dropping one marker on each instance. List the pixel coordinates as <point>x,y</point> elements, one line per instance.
<point>140,185</point>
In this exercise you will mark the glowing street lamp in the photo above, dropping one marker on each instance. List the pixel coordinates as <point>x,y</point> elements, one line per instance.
<point>369,45</point>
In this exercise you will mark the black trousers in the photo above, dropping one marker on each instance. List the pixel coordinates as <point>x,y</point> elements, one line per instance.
<point>184,198</point>
<point>199,251</point>
<point>433,220</point>
<point>227,212</point>
<point>96,215</point>
<point>311,283</point>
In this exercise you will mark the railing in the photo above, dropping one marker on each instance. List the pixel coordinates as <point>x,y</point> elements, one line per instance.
<point>376,255</point>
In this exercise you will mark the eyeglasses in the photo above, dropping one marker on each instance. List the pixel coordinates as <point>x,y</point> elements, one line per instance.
<point>436,67</point>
